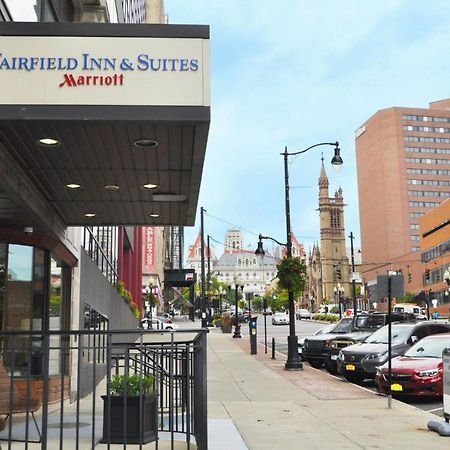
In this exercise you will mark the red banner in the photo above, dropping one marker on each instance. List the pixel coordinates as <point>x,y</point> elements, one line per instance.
<point>149,249</point>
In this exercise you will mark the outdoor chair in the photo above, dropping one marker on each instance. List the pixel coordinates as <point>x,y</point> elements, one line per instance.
<point>19,404</point>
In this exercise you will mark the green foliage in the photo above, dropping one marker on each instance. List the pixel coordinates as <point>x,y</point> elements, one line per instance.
<point>327,317</point>
<point>128,298</point>
<point>409,297</point>
<point>257,303</point>
<point>279,302</point>
<point>242,304</point>
<point>292,274</point>
<point>131,384</point>
<point>217,320</point>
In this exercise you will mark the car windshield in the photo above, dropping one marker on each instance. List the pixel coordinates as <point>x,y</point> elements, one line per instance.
<point>373,321</point>
<point>429,348</point>
<point>343,326</point>
<point>327,329</point>
<point>400,334</point>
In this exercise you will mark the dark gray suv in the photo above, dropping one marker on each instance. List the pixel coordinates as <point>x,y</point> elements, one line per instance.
<point>360,361</point>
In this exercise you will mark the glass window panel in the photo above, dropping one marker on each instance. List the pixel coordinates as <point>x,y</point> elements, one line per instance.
<point>23,10</point>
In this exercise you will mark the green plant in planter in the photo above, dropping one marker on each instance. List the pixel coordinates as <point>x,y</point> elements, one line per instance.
<point>131,384</point>
<point>292,274</point>
<point>130,412</point>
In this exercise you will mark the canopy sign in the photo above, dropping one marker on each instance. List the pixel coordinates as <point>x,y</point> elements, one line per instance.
<point>81,70</point>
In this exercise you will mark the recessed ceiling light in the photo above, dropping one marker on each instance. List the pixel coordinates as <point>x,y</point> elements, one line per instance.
<point>154,215</point>
<point>73,186</point>
<point>112,187</point>
<point>149,186</point>
<point>145,143</point>
<point>48,142</point>
<point>90,215</point>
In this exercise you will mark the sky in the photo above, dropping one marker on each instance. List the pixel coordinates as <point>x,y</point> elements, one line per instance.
<point>295,73</point>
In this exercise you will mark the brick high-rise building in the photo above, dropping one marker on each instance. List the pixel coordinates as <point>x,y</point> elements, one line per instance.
<point>403,164</point>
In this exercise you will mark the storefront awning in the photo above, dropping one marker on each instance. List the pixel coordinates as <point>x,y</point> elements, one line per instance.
<point>102,124</point>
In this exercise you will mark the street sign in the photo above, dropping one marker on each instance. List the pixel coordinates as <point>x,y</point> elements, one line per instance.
<point>397,286</point>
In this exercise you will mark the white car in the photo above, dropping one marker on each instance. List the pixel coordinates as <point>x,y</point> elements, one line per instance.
<point>158,324</point>
<point>280,318</point>
<point>303,314</point>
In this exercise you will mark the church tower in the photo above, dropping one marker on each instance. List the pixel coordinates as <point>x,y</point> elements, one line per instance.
<point>333,257</point>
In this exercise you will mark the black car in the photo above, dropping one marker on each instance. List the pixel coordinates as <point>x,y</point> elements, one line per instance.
<point>360,361</point>
<point>315,348</point>
<point>365,327</point>
<point>318,349</point>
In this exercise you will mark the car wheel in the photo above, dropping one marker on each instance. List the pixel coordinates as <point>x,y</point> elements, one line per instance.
<point>331,367</point>
<point>169,328</point>
<point>354,378</point>
<point>316,363</point>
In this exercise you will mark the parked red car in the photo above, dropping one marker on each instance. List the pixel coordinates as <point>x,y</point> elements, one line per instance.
<point>418,371</point>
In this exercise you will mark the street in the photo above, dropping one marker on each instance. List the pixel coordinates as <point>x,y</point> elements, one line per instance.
<point>308,327</point>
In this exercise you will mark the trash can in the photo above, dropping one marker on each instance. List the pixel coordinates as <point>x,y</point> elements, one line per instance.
<point>253,334</point>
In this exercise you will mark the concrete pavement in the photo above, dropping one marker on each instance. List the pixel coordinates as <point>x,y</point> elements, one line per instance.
<point>254,403</point>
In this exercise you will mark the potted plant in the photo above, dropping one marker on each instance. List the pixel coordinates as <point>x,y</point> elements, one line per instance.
<point>130,412</point>
<point>226,323</point>
<point>291,274</point>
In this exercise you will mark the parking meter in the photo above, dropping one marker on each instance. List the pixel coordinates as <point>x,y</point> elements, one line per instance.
<point>253,334</point>
<point>446,383</point>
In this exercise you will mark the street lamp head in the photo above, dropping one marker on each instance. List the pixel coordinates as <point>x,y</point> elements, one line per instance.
<point>336,161</point>
<point>260,250</point>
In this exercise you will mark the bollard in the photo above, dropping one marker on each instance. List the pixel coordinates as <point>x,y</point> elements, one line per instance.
<point>273,348</point>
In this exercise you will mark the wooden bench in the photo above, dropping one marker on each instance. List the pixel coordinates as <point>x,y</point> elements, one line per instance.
<point>19,404</point>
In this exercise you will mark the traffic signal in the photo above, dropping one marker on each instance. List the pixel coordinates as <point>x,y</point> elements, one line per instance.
<point>409,277</point>
<point>338,272</point>
<point>427,274</point>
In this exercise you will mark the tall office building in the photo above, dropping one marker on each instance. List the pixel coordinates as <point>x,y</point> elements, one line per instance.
<point>403,164</point>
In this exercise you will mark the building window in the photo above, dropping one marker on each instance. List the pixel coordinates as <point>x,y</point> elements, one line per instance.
<point>335,218</point>
<point>414,226</point>
<point>415,249</point>
<point>423,204</point>
<point>428,171</point>
<point>415,237</point>
<point>429,193</point>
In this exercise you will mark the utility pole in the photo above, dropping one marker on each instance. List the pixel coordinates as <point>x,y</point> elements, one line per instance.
<point>355,306</point>
<point>202,252</point>
<point>208,283</point>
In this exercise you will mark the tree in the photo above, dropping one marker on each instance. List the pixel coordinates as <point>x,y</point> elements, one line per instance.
<point>257,302</point>
<point>409,297</point>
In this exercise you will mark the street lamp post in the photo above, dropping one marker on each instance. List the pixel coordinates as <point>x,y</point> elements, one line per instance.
<point>221,294</point>
<point>338,291</point>
<point>293,361</point>
<point>237,328</point>
<point>148,304</point>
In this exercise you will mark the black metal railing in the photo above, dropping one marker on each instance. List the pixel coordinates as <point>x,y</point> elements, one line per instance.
<point>58,389</point>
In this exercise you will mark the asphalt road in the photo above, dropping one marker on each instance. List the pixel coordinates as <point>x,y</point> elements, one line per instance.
<point>308,327</point>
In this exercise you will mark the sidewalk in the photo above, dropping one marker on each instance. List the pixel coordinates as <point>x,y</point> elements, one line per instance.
<point>254,403</point>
